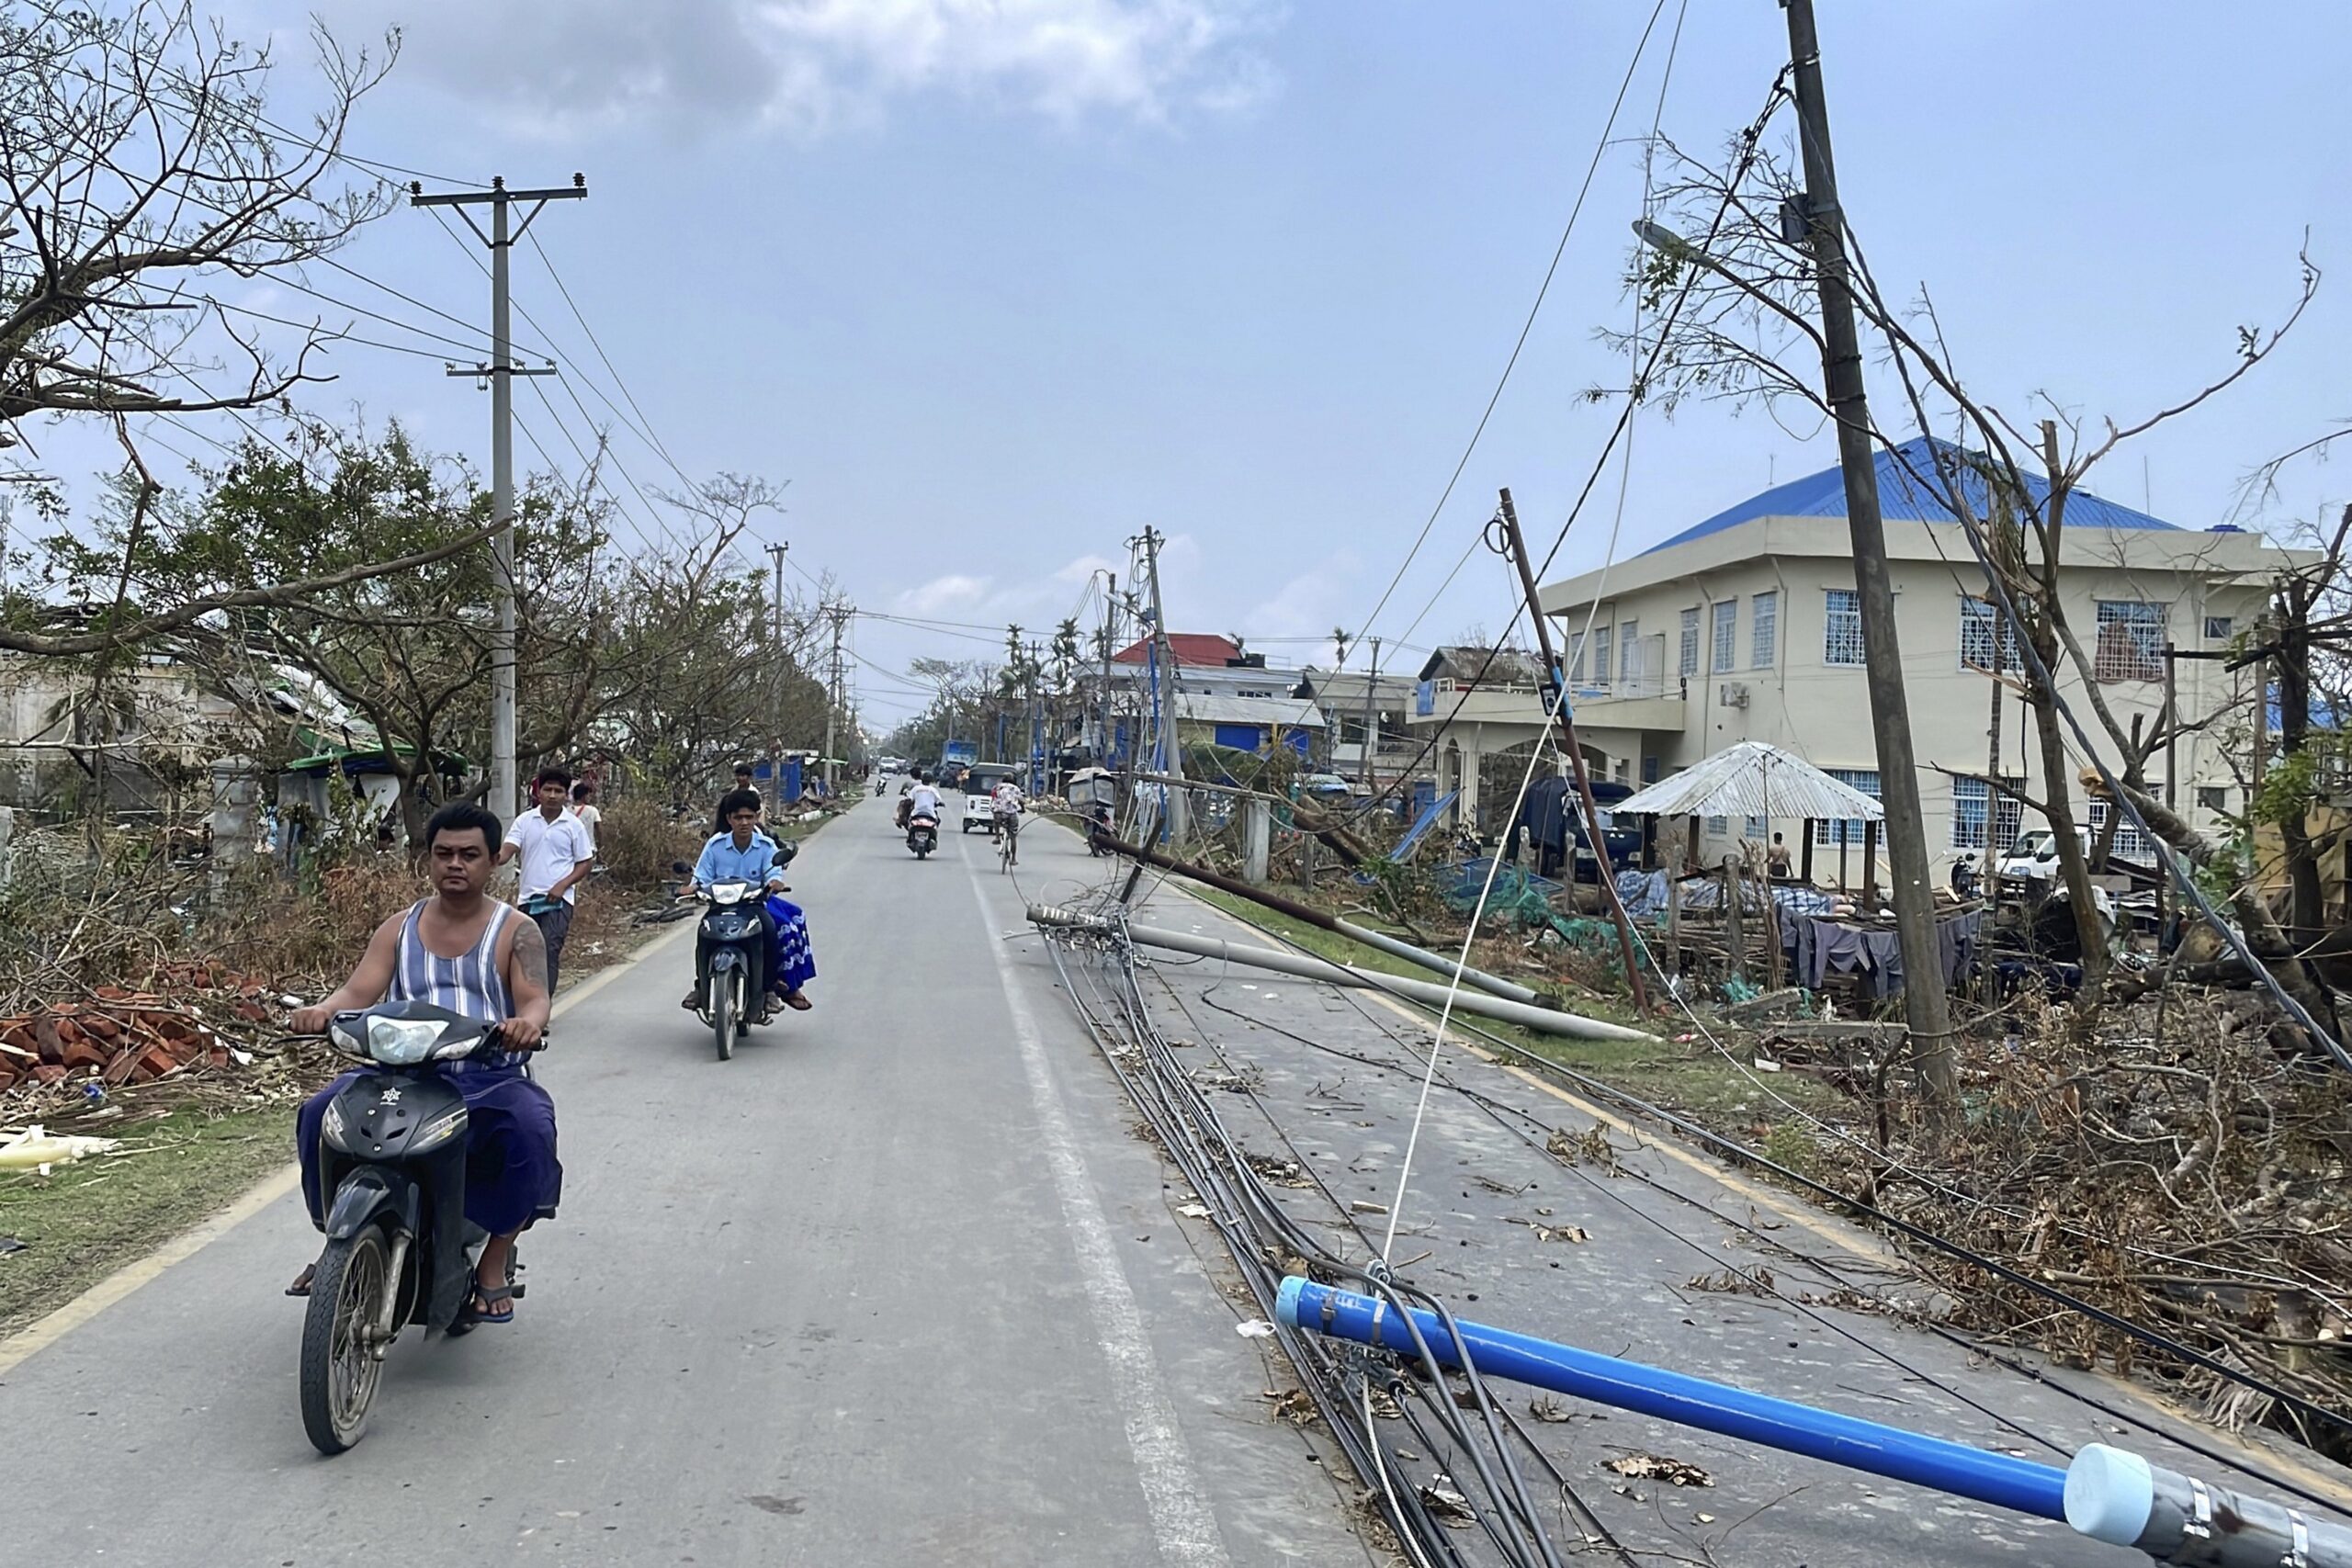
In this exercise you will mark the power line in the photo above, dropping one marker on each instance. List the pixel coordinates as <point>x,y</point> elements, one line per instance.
<point>1592,168</point>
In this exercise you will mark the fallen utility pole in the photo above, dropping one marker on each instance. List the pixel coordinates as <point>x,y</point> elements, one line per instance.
<point>1493,984</point>
<point>1557,677</point>
<point>1924,1007</point>
<point>1545,1020</point>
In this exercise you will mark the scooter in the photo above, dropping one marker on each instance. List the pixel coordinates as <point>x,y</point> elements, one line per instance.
<point>1099,827</point>
<point>729,954</point>
<point>398,1249</point>
<point>923,834</point>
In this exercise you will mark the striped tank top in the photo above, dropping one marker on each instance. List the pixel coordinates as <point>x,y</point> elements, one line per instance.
<point>470,986</point>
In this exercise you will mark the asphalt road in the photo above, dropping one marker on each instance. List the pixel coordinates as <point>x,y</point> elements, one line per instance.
<point>897,1283</point>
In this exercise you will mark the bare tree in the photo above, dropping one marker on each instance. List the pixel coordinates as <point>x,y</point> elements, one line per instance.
<point>1736,323</point>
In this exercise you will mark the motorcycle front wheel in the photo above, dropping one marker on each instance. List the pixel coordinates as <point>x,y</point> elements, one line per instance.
<point>726,1021</point>
<point>341,1367</point>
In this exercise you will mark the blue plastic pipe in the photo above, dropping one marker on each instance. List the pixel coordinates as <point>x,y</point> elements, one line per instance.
<point>2030,1488</point>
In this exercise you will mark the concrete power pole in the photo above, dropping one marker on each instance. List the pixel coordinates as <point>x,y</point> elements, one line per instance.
<point>776,552</point>
<point>1925,1009</point>
<point>839,614</point>
<point>1164,752</point>
<point>504,798</point>
<point>1371,737</point>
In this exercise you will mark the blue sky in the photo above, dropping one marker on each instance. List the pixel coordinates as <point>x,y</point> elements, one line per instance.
<point>995,285</point>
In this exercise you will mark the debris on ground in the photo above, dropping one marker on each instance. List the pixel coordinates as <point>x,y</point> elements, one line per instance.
<point>1657,1467</point>
<point>119,1036</point>
<point>37,1149</point>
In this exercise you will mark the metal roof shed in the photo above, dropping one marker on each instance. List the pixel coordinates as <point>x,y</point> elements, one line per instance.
<point>1753,779</point>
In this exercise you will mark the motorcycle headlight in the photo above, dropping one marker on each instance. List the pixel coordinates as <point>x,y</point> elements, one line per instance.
<point>332,1127</point>
<point>728,892</point>
<point>401,1041</point>
<point>344,1040</point>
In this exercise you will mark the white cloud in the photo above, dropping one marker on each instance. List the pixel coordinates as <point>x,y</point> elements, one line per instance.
<point>1084,567</point>
<point>695,65</point>
<point>953,591</point>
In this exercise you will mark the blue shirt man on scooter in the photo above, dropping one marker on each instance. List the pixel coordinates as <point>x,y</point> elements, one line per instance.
<point>745,853</point>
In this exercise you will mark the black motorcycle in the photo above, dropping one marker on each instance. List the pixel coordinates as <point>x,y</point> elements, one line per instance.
<point>923,834</point>
<point>730,954</point>
<point>399,1249</point>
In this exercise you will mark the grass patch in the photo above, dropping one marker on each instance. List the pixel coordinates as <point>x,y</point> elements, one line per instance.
<point>1693,1079</point>
<point>84,1220</point>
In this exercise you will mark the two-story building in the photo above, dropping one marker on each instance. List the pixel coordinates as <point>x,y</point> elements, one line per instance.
<point>1747,627</point>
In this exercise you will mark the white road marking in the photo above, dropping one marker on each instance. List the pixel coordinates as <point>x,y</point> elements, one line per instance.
<point>1180,1516</point>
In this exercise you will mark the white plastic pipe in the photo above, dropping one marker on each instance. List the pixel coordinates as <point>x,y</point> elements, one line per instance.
<point>2120,1498</point>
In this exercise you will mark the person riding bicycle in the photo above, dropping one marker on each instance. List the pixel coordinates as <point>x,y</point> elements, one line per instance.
<point>1004,809</point>
<point>483,958</point>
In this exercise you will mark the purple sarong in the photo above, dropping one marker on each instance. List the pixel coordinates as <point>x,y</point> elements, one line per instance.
<point>512,1173</point>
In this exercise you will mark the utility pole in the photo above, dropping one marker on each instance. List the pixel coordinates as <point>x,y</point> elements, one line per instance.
<point>1555,677</point>
<point>1110,634</point>
<point>1371,737</point>
<point>839,614</point>
<point>1925,1009</point>
<point>777,682</point>
<point>501,371</point>
<point>1036,716</point>
<point>1163,683</point>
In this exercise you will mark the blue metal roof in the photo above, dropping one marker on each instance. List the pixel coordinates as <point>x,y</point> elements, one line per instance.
<point>1901,497</point>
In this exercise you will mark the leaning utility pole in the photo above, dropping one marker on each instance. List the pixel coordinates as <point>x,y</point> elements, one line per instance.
<point>1555,677</point>
<point>501,371</point>
<point>1925,1009</point>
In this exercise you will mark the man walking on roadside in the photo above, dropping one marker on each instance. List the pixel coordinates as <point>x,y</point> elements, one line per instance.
<point>583,806</point>
<point>557,852</point>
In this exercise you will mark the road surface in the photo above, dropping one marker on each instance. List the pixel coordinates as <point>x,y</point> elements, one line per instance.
<point>897,1284</point>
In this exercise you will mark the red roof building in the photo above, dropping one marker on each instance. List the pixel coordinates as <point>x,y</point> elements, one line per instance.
<point>1199,650</point>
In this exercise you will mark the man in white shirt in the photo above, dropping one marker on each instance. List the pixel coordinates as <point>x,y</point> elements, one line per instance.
<point>557,852</point>
<point>583,806</point>
<point>921,801</point>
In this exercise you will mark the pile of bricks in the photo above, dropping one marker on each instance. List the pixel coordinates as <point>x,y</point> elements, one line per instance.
<point>120,1036</point>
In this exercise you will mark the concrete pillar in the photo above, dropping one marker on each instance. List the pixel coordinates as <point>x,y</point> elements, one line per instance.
<point>1258,840</point>
<point>234,794</point>
<point>1180,817</point>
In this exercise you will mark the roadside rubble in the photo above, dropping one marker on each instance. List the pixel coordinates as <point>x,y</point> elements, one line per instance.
<point>207,1021</point>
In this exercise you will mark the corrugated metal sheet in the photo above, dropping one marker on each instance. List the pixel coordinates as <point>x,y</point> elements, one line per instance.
<point>1901,496</point>
<point>1215,707</point>
<point>1753,779</point>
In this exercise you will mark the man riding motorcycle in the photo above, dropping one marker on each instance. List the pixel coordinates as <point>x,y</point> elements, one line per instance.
<point>483,959</point>
<point>744,853</point>
<point>921,800</point>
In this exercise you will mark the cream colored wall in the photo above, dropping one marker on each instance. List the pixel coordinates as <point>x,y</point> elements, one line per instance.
<point>1822,712</point>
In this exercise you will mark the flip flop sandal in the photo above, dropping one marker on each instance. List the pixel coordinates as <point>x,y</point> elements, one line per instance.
<point>798,1002</point>
<point>486,1297</point>
<point>301,1285</point>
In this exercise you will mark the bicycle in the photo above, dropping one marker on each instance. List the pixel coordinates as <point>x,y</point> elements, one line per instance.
<point>1008,844</point>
